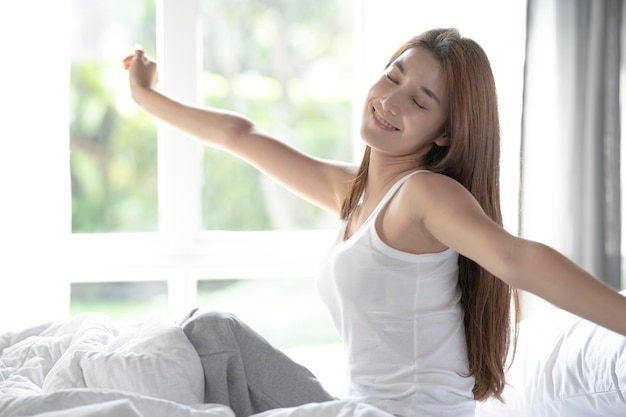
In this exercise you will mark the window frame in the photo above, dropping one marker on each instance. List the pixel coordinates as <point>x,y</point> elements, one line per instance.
<point>181,252</point>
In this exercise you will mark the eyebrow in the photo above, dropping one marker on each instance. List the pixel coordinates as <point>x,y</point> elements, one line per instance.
<point>430,93</point>
<point>400,67</point>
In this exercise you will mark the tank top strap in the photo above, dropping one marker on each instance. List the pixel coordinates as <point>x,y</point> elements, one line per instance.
<point>393,190</point>
<point>383,202</point>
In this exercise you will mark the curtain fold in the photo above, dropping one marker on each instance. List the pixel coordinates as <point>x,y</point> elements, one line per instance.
<point>570,181</point>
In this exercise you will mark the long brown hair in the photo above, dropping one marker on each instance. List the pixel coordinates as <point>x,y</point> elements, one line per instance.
<point>472,158</point>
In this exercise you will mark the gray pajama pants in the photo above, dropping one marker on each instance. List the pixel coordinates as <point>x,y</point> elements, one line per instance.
<point>243,371</point>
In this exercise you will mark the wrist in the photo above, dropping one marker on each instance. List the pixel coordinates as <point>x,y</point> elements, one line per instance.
<point>141,95</point>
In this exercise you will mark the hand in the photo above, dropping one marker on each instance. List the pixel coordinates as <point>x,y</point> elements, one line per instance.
<point>143,72</point>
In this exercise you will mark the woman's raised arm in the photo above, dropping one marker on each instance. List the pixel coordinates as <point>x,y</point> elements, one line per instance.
<point>323,183</point>
<point>454,217</point>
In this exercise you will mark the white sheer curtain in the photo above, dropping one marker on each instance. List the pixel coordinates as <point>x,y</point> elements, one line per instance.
<point>570,195</point>
<point>35,195</point>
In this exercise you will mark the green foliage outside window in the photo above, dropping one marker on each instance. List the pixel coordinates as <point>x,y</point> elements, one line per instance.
<point>113,146</point>
<point>273,60</point>
<point>277,62</point>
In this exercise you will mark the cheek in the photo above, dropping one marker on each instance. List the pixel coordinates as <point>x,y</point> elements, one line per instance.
<point>417,125</point>
<point>429,124</point>
<point>421,130</point>
<point>376,90</point>
<point>372,94</point>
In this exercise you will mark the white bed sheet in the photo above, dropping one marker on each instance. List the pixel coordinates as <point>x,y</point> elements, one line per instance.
<point>564,366</point>
<point>92,366</point>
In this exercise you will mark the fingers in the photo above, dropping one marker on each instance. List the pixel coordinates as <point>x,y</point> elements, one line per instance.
<point>126,62</point>
<point>139,54</point>
<point>142,70</point>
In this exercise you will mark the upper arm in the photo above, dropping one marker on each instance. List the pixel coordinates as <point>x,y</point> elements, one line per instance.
<point>454,217</point>
<point>321,182</point>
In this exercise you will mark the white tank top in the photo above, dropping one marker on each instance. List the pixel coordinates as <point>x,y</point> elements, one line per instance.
<point>401,323</point>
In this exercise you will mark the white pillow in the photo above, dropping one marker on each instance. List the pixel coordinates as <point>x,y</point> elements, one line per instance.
<point>154,358</point>
<point>564,366</point>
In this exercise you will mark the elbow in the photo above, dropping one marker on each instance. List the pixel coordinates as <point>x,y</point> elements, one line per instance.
<point>237,132</point>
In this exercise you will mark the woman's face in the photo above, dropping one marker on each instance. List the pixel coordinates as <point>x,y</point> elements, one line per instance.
<point>406,107</point>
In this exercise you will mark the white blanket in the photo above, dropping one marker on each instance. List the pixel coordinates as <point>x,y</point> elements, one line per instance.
<point>92,366</point>
<point>90,359</point>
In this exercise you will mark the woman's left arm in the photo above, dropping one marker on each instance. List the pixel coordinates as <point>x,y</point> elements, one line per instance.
<point>543,271</point>
<point>452,215</point>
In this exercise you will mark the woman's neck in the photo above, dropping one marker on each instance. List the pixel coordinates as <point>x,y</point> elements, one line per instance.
<point>384,171</point>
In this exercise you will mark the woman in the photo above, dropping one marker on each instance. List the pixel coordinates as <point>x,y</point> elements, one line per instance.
<point>421,280</point>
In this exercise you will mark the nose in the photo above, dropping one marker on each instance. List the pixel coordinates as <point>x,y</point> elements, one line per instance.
<point>390,104</point>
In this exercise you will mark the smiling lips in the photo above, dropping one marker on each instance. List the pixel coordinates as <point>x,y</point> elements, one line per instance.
<point>382,123</point>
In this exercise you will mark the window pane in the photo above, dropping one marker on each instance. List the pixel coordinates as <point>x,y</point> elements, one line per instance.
<point>286,311</point>
<point>287,66</point>
<point>113,145</point>
<point>129,302</point>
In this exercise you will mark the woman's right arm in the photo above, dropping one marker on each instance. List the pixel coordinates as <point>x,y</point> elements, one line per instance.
<point>323,183</point>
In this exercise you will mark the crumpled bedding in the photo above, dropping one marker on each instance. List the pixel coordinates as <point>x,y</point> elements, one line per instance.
<point>92,366</point>
<point>563,366</point>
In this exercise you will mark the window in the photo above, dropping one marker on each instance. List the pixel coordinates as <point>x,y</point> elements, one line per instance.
<point>188,226</point>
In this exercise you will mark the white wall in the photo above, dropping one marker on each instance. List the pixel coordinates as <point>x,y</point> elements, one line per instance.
<point>35,207</point>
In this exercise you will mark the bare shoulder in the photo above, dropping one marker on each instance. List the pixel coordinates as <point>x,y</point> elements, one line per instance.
<point>429,192</point>
<point>425,180</point>
<point>415,218</point>
<point>450,214</point>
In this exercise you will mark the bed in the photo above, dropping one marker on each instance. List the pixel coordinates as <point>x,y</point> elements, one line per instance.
<point>92,366</point>
<point>564,366</point>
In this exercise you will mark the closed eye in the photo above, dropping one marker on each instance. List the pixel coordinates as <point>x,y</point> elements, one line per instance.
<point>418,105</point>
<point>390,78</point>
